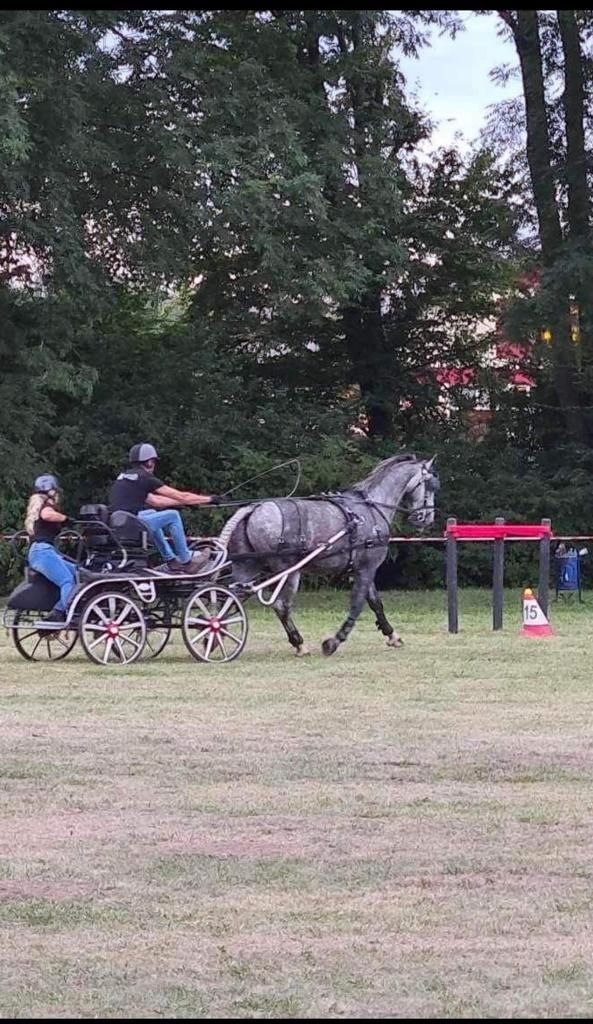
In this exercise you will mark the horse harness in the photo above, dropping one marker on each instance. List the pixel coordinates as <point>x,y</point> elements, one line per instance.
<point>352,523</point>
<point>290,516</point>
<point>292,525</point>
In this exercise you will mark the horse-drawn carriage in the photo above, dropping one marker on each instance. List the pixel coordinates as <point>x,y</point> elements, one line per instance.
<point>122,609</point>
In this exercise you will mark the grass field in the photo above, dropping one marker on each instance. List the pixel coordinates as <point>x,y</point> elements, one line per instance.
<point>383,833</point>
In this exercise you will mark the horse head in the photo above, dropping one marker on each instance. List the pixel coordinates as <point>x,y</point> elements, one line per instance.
<point>419,495</point>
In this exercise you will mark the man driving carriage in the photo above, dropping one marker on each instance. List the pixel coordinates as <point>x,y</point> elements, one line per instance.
<point>139,491</point>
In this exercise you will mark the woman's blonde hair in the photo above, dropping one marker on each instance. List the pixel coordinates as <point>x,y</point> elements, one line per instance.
<point>36,503</point>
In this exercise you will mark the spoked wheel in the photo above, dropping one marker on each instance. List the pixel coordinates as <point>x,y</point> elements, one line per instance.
<point>214,625</point>
<point>112,630</point>
<point>158,630</point>
<point>39,644</point>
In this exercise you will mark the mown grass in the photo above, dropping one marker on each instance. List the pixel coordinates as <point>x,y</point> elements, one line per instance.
<point>383,833</point>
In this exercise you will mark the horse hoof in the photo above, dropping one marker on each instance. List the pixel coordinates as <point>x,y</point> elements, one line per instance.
<point>302,651</point>
<point>330,646</point>
<point>395,641</point>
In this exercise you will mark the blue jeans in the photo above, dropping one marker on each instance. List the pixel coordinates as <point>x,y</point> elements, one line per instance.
<point>168,519</point>
<point>45,559</point>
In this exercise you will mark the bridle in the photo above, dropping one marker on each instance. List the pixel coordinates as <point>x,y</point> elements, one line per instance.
<point>417,516</point>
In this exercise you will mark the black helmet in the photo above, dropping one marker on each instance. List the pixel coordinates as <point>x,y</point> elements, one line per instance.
<point>142,452</point>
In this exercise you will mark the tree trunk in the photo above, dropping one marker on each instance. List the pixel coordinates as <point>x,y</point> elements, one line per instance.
<point>372,361</point>
<point>526,32</point>
<point>578,196</point>
<point>525,28</point>
<point>574,112</point>
<point>372,357</point>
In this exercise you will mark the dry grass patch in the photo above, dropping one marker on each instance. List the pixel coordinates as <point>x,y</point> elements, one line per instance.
<point>384,833</point>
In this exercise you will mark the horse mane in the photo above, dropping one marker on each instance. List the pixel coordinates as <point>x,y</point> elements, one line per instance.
<point>377,474</point>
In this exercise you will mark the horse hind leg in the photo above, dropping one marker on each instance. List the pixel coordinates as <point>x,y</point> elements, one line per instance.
<point>283,607</point>
<point>381,621</point>
<point>359,593</point>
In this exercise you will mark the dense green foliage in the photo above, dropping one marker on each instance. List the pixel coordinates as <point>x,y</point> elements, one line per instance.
<point>221,231</point>
<point>547,140</point>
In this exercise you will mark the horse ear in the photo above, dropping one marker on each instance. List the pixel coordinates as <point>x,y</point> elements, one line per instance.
<point>430,462</point>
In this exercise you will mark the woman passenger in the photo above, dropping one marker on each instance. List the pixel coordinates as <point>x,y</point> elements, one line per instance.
<point>43,523</point>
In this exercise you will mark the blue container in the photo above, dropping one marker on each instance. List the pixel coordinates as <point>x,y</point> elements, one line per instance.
<point>568,572</point>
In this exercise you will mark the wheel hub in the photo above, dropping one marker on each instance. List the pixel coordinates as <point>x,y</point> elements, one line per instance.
<point>113,629</point>
<point>214,626</point>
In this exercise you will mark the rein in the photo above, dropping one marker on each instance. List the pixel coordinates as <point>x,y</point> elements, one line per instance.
<point>416,515</point>
<point>266,472</point>
<point>413,516</point>
<point>378,505</point>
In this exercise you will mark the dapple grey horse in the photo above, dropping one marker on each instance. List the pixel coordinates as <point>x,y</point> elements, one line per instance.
<point>268,537</point>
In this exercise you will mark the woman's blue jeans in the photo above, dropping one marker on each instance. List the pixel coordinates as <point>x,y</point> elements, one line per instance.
<point>170,520</point>
<point>45,559</point>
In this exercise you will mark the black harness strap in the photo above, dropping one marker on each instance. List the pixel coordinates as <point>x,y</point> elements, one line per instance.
<point>352,523</point>
<point>293,525</point>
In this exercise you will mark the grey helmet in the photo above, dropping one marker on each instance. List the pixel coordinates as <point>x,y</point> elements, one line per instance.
<point>142,453</point>
<point>46,483</point>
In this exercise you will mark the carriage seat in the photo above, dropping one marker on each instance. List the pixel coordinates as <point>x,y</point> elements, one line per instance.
<point>35,593</point>
<point>101,527</point>
<point>107,535</point>
<point>95,519</point>
<point>94,512</point>
<point>129,530</point>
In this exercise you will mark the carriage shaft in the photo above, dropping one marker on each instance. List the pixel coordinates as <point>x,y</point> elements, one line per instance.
<point>281,577</point>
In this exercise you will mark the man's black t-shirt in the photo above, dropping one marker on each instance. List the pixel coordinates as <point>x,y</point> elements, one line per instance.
<point>130,490</point>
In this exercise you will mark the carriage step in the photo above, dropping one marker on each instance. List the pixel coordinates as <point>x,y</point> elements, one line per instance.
<point>50,625</point>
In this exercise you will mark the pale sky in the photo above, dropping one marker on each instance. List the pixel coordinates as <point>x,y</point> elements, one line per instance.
<point>451,77</point>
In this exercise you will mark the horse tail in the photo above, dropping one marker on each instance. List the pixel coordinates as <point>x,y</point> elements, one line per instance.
<point>229,528</point>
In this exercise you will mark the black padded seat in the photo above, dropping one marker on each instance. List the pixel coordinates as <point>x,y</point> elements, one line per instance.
<point>94,519</point>
<point>37,594</point>
<point>89,513</point>
<point>128,529</point>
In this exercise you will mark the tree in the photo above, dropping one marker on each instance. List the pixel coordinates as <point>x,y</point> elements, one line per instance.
<point>261,166</point>
<point>461,228</point>
<point>306,188</point>
<point>549,44</point>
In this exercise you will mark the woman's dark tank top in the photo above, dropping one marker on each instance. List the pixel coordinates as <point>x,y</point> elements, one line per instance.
<point>45,532</point>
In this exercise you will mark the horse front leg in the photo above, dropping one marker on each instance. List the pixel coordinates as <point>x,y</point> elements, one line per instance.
<point>360,589</point>
<point>283,607</point>
<point>381,621</point>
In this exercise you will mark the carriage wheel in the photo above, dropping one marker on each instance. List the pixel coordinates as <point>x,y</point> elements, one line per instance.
<point>158,630</point>
<point>112,630</point>
<point>39,644</point>
<point>214,624</point>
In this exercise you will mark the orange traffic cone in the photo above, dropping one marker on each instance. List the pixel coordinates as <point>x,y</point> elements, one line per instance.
<point>535,622</point>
